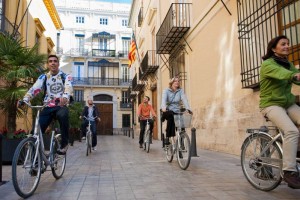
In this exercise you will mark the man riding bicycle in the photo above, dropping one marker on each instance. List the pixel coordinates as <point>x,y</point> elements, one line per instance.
<point>57,87</point>
<point>145,110</point>
<point>90,112</point>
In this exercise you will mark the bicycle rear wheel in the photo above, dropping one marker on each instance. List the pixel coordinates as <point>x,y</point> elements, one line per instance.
<point>58,161</point>
<point>263,171</point>
<point>26,173</point>
<point>183,150</point>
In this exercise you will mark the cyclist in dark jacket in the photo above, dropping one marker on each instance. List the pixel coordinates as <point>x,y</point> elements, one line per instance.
<point>91,113</point>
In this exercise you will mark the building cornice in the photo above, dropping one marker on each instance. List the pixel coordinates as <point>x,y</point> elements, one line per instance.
<point>39,26</point>
<point>50,43</point>
<point>53,14</point>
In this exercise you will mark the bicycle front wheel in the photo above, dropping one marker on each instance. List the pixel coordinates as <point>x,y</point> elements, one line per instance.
<point>147,141</point>
<point>26,172</point>
<point>58,161</point>
<point>88,143</point>
<point>169,151</point>
<point>183,145</point>
<point>261,166</point>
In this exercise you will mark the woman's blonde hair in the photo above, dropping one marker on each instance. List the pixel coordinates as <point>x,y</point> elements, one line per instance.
<point>172,80</point>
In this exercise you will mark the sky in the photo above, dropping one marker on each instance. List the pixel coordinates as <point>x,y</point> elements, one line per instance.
<point>116,1</point>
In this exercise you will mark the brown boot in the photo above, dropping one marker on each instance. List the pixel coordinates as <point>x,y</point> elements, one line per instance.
<point>292,179</point>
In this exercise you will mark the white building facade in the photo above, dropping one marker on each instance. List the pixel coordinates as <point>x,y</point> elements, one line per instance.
<point>93,47</point>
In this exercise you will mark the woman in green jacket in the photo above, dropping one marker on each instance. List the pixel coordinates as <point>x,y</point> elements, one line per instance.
<point>277,102</point>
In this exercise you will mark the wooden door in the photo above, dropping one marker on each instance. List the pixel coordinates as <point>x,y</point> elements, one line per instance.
<point>154,105</point>
<point>105,127</point>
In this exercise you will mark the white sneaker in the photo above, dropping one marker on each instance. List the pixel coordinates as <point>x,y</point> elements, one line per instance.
<point>83,138</point>
<point>94,148</point>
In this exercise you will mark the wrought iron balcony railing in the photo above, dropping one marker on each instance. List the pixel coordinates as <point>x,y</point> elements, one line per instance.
<point>150,64</point>
<point>137,85</point>
<point>96,81</point>
<point>103,53</point>
<point>7,27</point>
<point>125,105</point>
<point>173,28</point>
<point>77,52</point>
<point>123,54</point>
<point>59,50</point>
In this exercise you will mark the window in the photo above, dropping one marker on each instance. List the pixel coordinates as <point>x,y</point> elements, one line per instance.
<point>80,44</point>
<point>124,22</point>
<point>259,22</point>
<point>78,95</point>
<point>125,47</point>
<point>103,21</point>
<point>125,73</point>
<point>79,20</point>
<point>126,120</point>
<point>103,44</point>
<point>78,70</point>
<point>125,97</point>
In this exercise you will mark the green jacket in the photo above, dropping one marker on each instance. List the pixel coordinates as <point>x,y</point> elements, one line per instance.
<point>276,84</point>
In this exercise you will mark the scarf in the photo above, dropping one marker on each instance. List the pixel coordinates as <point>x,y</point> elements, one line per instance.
<point>282,61</point>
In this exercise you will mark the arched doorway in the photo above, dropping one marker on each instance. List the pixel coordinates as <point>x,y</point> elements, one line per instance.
<point>105,127</point>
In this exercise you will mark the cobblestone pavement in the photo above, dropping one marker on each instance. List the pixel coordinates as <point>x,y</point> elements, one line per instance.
<point>119,170</point>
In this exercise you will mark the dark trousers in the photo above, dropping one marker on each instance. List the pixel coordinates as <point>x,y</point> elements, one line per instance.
<point>170,130</point>
<point>62,115</point>
<point>143,124</point>
<point>84,125</point>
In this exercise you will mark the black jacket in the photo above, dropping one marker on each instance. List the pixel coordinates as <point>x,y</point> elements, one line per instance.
<point>85,111</point>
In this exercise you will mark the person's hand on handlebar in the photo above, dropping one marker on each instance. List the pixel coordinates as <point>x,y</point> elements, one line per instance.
<point>189,111</point>
<point>297,77</point>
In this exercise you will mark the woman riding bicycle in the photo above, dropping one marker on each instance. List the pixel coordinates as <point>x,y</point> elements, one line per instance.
<point>144,111</point>
<point>170,104</point>
<point>277,103</point>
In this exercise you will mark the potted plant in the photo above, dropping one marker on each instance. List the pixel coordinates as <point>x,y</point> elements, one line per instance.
<point>75,110</point>
<point>10,141</point>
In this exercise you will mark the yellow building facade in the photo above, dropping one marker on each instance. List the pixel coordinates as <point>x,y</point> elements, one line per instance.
<point>215,47</point>
<point>33,22</point>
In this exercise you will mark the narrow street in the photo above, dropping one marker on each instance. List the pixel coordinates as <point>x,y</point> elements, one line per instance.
<point>119,169</point>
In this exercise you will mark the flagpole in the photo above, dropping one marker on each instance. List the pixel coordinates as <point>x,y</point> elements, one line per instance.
<point>137,50</point>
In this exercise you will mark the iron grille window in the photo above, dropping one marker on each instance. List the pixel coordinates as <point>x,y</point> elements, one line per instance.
<point>260,21</point>
<point>103,21</point>
<point>78,95</point>
<point>126,120</point>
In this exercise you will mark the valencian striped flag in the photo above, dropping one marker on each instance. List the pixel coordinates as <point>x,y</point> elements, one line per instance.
<point>131,55</point>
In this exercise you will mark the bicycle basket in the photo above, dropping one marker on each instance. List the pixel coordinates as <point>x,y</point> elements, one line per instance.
<point>183,120</point>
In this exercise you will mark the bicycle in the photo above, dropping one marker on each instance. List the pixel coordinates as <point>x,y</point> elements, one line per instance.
<point>89,135</point>
<point>182,145</point>
<point>147,136</point>
<point>30,159</point>
<point>261,158</point>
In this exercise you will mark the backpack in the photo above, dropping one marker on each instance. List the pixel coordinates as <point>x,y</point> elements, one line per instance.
<point>63,78</point>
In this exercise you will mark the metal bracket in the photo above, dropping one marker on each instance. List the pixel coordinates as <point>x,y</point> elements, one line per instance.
<point>226,7</point>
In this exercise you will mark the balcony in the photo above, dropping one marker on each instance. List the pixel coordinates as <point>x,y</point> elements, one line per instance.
<point>124,105</point>
<point>150,64</point>
<point>7,27</point>
<point>96,81</point>
<point>103,53</point>
<point>137,85</point>
<point>173,28</point>
<point>123,54</point>
<point>77,52</point>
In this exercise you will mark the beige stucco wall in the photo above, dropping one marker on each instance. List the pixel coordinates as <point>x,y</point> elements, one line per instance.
<point>222,109</point>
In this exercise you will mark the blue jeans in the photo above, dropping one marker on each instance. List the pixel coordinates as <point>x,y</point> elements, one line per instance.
<point>93,129</point>
<point>62,115</point>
